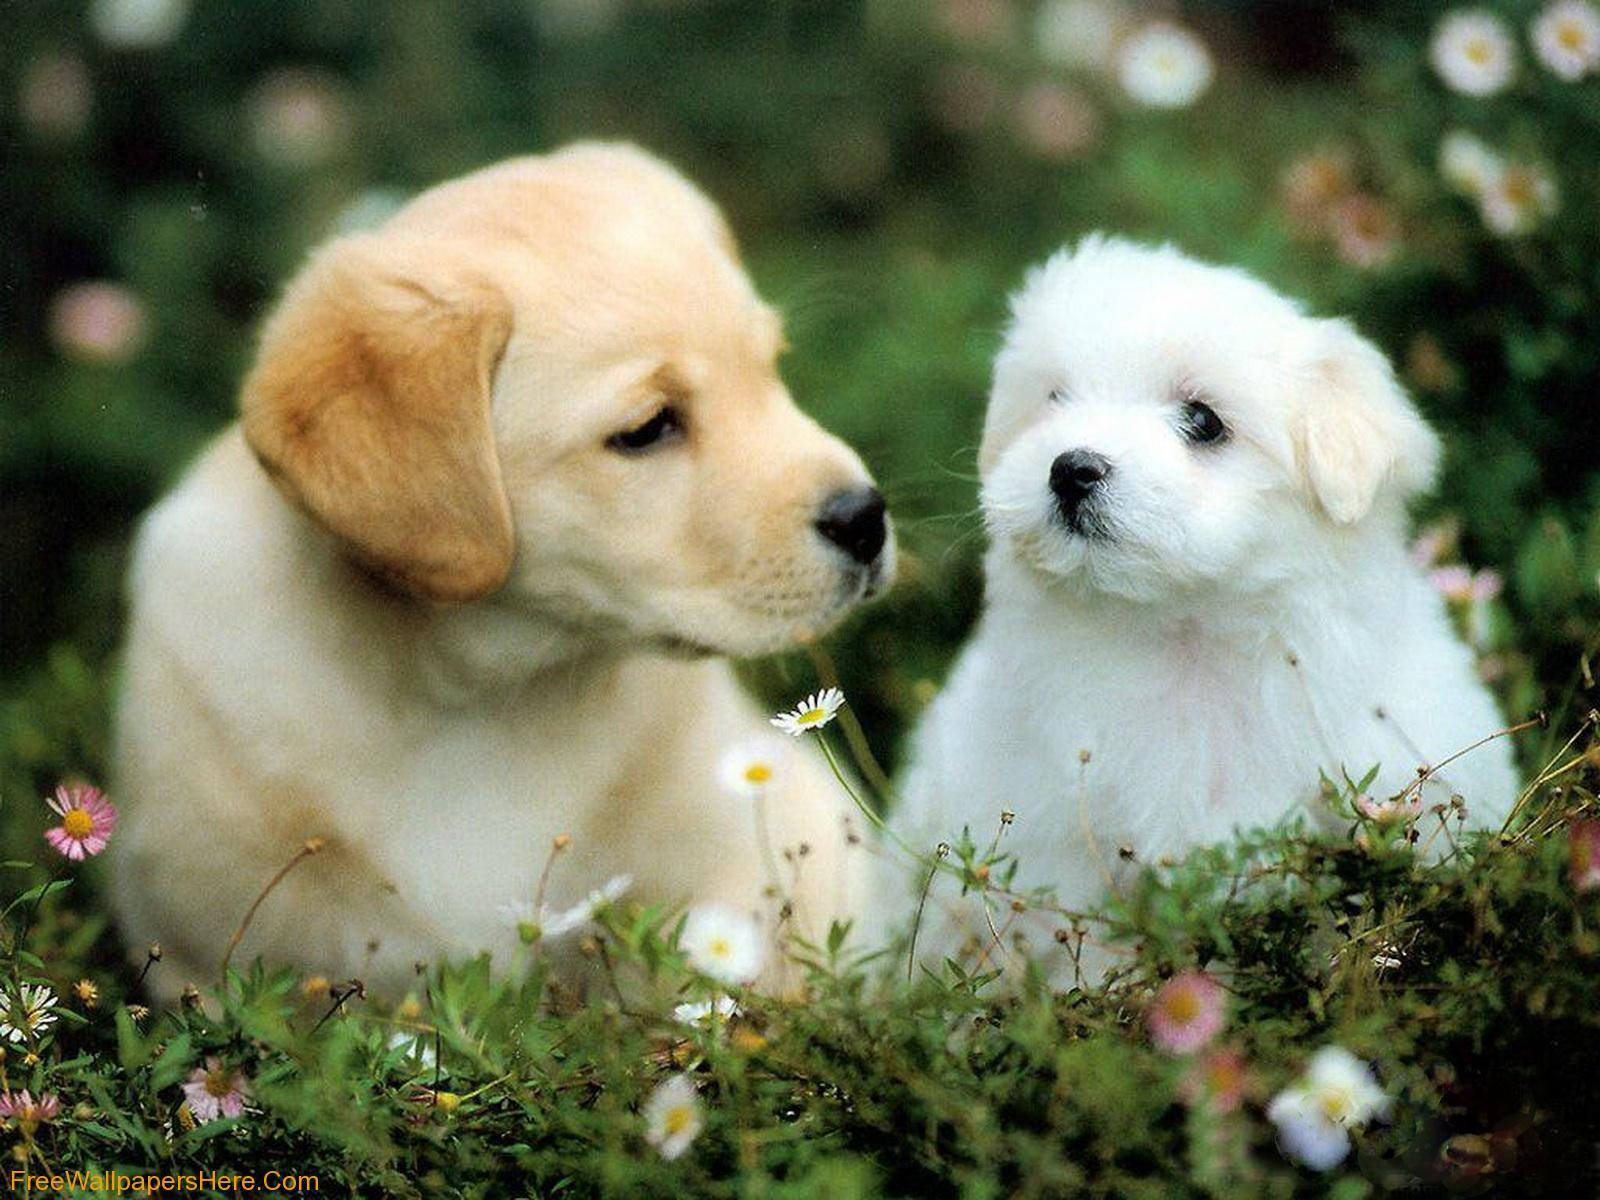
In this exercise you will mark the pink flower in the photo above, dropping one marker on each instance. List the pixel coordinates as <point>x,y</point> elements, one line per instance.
<point>1365,231</point>
<point>1585,855</point>
<point>1218,1079</point>
<point>1453,582</point>
<point>87,819</point>
<point>215,1091</point>
<point>97,321</point>
<point>1186,1013</point>
<point>1396,808</point>
<point>28,1111</point>
<point>1486,585</point>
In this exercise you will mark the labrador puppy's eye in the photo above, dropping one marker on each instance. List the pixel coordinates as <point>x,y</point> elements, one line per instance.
<point>1201,425</point>
<point>666,426</point>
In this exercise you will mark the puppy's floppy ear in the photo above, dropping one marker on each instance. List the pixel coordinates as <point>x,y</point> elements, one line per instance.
<point>1357,434</point>
<point>369,407</point>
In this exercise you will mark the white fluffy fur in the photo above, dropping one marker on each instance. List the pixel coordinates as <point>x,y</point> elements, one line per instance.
<point>1252,618</point>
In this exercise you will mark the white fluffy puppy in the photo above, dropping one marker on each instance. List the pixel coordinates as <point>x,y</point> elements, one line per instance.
<point>1199,594</point>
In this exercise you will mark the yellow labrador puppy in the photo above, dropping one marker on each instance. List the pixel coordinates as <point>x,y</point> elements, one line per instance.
<point>512,472</point>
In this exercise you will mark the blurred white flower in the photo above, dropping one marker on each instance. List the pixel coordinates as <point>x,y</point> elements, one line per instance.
<point>1473,52</point>
<point>1078,33</point>
<point>672,1116</point>
<point>545,924</point>
<point>137,24</point>
<point>1566,38</point>
<point>1517,198</point>
<point>97,321</point>
<point>56,96</point>
<point>1396,808</point>
<point>724,943</point>
<point>570,20</point>
<point>1056,122</point>
<point>753,768</point>
<point>1467,163</point>
<point>299,117</point>
<point>1338,1092</point>
<point>722,1008</point>
<point>1164,66</point>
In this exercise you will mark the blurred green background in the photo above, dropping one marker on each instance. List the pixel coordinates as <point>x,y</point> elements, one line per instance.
<point>890,169</point>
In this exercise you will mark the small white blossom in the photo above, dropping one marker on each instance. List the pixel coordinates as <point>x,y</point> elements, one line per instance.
<point>1518,197</point>
<point>1467,164</point>
<point>813,712</point>
<point>1164,66</point>
<point>1473,52</point>
<point>545,924</point>
<point>672,1117</point>
<point>724,943</point>
<point>1314,1114</point>
<point>753,768</point>
<point>34,1015</point>
<point>1566,38</point>
<point>137,24</point>
<point>1077,33</point>
<point>721,1008</point>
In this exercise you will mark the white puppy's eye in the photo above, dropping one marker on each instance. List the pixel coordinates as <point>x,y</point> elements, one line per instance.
<point>664,427</point>
<point>1057,395</point>
<point>1201,425</point>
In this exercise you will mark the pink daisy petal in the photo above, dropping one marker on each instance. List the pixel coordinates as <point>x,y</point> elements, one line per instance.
<point>1187,1012</point>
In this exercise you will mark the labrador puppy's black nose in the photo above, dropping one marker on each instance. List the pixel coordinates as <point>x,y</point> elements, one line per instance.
<point>1074,476</point>
<point>854,522</point>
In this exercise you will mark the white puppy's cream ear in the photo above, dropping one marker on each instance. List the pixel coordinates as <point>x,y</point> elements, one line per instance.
<point>1357,434</point>
<point>369,407</point>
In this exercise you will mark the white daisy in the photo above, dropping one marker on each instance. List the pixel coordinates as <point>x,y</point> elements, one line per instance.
<point>753,768</point>
<point>721,1008</point>
<point>1473,52</point>
<point>544,924</point>
<point>813,712</point>
<point>1466,163</point>
<point>723,943</point>
<point>1566,38</point>
<point>32,1016</point>
<point>672,1117</point>
<point>1518,197</point>
<point>1164,66</point>
<point>1338,1092</point>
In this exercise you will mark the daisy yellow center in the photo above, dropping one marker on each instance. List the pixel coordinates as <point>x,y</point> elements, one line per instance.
<point>1479,51</point>
<point>1570,37</point>
<point>720,947</point>
<point>1519,189</point>
<point>219,1084</point>
<point>78,824</point>
<point>758,773</point>
<point>678,1118</point>
<point>1182,1007</point>
<point>812,715</point>
<point>1336,1105</point>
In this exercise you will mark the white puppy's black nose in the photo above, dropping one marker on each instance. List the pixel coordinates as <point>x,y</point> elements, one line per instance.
<point>854,521</point>
<point>1074,476</point>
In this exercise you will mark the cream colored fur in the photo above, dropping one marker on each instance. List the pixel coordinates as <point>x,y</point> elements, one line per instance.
<point>415,605</point>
